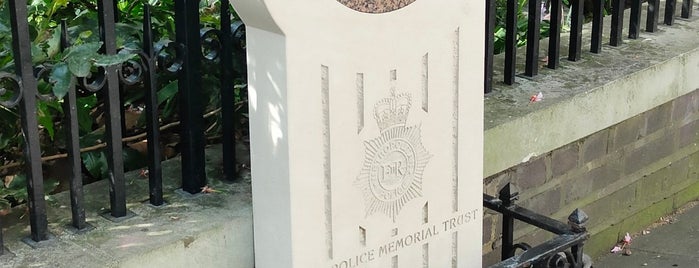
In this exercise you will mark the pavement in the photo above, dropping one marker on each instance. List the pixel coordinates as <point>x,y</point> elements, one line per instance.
<point>674,242</point>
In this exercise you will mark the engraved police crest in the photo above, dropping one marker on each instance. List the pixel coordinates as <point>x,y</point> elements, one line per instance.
<point>391,175</point>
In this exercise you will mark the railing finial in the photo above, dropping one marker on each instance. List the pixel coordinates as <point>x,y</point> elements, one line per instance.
<point>577,220</point>
<point>508,194</point>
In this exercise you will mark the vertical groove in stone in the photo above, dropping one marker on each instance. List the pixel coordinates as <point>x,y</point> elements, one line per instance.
<point>455,124</point>
<point>362,236</point>
<point>360,102</point>
<point>426,255</point>
<point>325,99</point>
<point>394,75</point>
<point>454,249</point>
<point>455,145</point>
<point>425,82</point>
<point>425,213</point>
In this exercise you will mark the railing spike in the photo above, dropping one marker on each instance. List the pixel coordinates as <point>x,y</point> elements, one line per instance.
<point>508,194</point>
<point>577,220</point>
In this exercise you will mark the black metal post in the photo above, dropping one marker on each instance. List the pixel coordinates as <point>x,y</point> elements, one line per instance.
<point>577,222</point>
<point>617,22</point>
<point>511,41</point>
<point>191,109</point>
<point>687,6</point>
<point>508,195</point>
<point>576,22</point>
<point>115,6</point>
<point>670,12</point>
<point>489,44</point>
<point>635,19</point>
<point>23,66</point>
<point>555,34</point>
<point>2,244</point>
<point>155,174</point>
<point>121,86</point>
<point>70,109</point>
<point>652,15</point>
<point>227,94</point>
<point>117,184</point>
<point>531,67</point>
<point>597,26</point>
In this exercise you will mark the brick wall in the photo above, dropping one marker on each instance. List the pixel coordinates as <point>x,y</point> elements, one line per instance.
<point>624,177</point>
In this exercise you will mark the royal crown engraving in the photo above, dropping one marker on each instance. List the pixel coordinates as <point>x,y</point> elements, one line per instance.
<point>392,111</point>
<point>394,162</point>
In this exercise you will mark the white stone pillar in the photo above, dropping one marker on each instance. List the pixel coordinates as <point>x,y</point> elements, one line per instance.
<point>366,121</point>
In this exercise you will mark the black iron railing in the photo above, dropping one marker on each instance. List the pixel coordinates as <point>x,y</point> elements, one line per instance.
<point>564,250</point>
<point>181,57</point>
<point>576,37</point>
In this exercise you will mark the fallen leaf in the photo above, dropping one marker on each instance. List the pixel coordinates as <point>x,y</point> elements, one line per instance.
<point>627,238</point>
<point>8,180</point>
<point>141,146</point>
<point>536,98</point>
<point>207,190</point>
<point>616,249</point>
<point>143,173</point>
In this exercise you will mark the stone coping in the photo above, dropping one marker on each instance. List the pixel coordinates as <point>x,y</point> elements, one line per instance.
<point>581,98</point>
<point>205,230</point>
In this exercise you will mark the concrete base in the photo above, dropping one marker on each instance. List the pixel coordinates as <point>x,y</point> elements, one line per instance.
<point>213,230</point>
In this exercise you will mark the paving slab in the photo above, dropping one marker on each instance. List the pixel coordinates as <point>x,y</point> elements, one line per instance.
<point>675,244</point>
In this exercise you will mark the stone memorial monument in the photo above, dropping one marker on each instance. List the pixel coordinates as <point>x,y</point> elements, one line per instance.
<point>366,125</point>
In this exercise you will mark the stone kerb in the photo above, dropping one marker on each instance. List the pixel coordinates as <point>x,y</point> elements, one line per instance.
<point>366,132</point>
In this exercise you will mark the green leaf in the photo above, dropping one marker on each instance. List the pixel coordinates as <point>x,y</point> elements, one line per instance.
<point>50,185</point>
<point>55,105</point>
<point>85,34</point>
<point>85,105</point>
<point>91,138</point>
<point>62,80</point>
<point>80,12</point>
<point>108,60</point>
<point>79,66</point>
<point>4,140</point>
<point>95,163</point>
<point>45,118</point>
<point>54,43</point>
<point>4,204</point>
<point>167,92</point>
<point>18,182</point>
<point>133,159</point>
<point>4,28</point>
<point>80,57</point>
<point>57,4</point>
<point>38,54</point>
<point>170,108</point>
<point>36,3</point>
<point>87,49</point>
